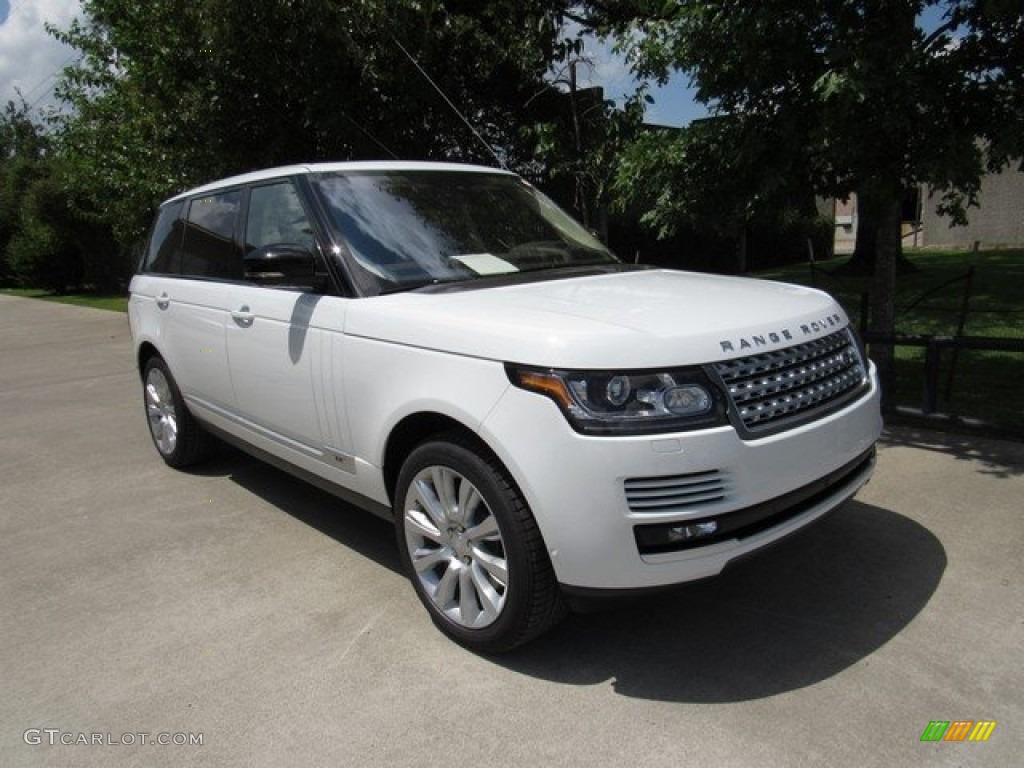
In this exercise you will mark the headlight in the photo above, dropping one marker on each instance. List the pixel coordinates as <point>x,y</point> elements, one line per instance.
<point>627,403</point>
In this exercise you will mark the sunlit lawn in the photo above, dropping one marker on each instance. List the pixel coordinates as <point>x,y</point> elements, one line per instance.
<point>116,303</point>
<point>984,385</point>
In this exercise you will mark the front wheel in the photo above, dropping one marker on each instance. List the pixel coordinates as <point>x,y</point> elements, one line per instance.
<point>472,548</point>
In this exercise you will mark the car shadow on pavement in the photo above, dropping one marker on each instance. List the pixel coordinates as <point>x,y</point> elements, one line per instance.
<point>791,617</point>
<point>997,458</point>
<point>354,528</point>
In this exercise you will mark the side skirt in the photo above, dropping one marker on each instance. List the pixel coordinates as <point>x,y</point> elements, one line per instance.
<point>351,497</point>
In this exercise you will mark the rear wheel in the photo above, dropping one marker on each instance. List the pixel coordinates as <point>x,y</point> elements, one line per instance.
<point>178,437</point>
<point>472,548</point>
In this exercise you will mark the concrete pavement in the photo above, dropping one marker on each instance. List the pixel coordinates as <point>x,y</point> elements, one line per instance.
<point>241,606</point>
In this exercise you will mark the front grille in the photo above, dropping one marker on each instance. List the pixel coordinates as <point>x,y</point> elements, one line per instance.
<point>674,493</point>
<point>799,382</point>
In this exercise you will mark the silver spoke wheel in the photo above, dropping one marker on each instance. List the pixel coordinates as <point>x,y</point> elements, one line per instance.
<point>455,546</point>
<point>160,412</point>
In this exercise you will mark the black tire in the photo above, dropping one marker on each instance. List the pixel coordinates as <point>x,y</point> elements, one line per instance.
<point>179,438</point>
<point>497,527</point>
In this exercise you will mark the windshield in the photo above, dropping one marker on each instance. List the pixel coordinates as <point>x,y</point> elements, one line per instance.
<point>415,228</point>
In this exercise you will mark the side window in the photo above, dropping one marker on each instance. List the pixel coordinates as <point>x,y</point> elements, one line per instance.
<point>164,253</point>
<point>209,249</point>
<point>276,217</point>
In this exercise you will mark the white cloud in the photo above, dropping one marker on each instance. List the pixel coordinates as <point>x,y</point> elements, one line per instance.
<point>30,58</point>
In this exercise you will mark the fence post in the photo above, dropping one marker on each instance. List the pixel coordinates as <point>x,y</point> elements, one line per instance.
<point>961,323</point>
<point>931,376</point>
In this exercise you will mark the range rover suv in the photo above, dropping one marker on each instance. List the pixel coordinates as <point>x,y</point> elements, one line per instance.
<point>441,345</point>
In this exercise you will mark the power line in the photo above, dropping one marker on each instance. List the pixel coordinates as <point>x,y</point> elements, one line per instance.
<point>369,135</point>
<point>13,8</point>
<point>45,81</point>
<point>50,76</point>
<point>448,101</point>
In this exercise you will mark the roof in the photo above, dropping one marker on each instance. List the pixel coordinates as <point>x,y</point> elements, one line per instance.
<point>305,168</point>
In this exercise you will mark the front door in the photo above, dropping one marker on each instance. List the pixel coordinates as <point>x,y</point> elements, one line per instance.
<point>278,339</point>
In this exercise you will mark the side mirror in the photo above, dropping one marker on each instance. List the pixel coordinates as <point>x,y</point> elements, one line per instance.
<point>284,264</point>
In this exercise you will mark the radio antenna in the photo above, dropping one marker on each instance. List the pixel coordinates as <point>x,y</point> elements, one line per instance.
<point>448,101</point>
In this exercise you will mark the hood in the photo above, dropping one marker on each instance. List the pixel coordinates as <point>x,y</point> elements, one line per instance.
<point>642,319</point>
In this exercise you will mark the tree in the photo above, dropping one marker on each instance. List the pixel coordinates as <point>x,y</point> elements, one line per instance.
<point>169,93</point>
<point>48,239</point>
<point>22,146</point>
<point>581,137</point>
<point>843,95</point>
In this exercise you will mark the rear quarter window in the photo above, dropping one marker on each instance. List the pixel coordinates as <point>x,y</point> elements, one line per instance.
<point>163,255</point>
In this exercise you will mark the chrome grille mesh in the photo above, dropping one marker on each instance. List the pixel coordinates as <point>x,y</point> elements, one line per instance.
<point>651,495</point>
<point>799,381</point>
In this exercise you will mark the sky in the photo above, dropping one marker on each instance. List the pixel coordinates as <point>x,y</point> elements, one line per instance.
<point>31,60</point>
<point>673,104</point>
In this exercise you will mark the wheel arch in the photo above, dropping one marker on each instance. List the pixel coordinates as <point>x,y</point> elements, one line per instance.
<point>146,351</point>
<point>415,429</point>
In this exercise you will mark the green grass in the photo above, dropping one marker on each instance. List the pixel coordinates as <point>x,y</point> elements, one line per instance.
<point>114,303</point>
<point>984,384</point>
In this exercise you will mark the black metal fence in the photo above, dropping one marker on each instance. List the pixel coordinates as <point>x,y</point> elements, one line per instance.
<point>972,378</point>
<point>934,347</point>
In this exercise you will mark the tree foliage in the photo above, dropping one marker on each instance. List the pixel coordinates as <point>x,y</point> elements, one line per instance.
<point>46,238</point>
<point>169,93</point>
<point>840,95</point>
<point>582,138</point>
<point>33,242</point>
<point>22,145</point>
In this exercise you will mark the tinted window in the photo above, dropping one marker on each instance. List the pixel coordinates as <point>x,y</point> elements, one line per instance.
<point>276,217</point>
<point>164,254</point>
<point>209,249</point>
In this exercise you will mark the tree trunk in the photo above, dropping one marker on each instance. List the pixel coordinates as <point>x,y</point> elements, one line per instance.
<point>883,295</point>
<point>865,253</point>
<point>741,248</point>
<point>866,244</point>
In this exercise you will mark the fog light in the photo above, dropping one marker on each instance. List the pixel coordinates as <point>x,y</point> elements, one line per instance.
<point>693,531</point>
<point>673,537</point>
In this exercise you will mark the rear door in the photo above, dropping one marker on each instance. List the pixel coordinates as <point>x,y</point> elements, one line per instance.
<point>187,281</point>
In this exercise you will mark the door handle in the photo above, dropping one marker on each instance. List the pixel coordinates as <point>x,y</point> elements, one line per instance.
<point>243,316</point>
<point>163,300</point>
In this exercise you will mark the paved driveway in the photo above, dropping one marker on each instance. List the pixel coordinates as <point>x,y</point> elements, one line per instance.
<point>239,606</point>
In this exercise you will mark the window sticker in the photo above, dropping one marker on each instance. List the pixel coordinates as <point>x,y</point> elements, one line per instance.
<point>485,263</point>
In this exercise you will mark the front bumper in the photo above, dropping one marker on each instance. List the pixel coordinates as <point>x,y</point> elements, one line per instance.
<point>602,535</point>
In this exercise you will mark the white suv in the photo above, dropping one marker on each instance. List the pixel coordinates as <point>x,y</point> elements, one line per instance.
<point>441,345</point>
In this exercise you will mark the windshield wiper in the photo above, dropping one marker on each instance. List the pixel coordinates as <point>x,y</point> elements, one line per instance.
<point>413,285</point>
